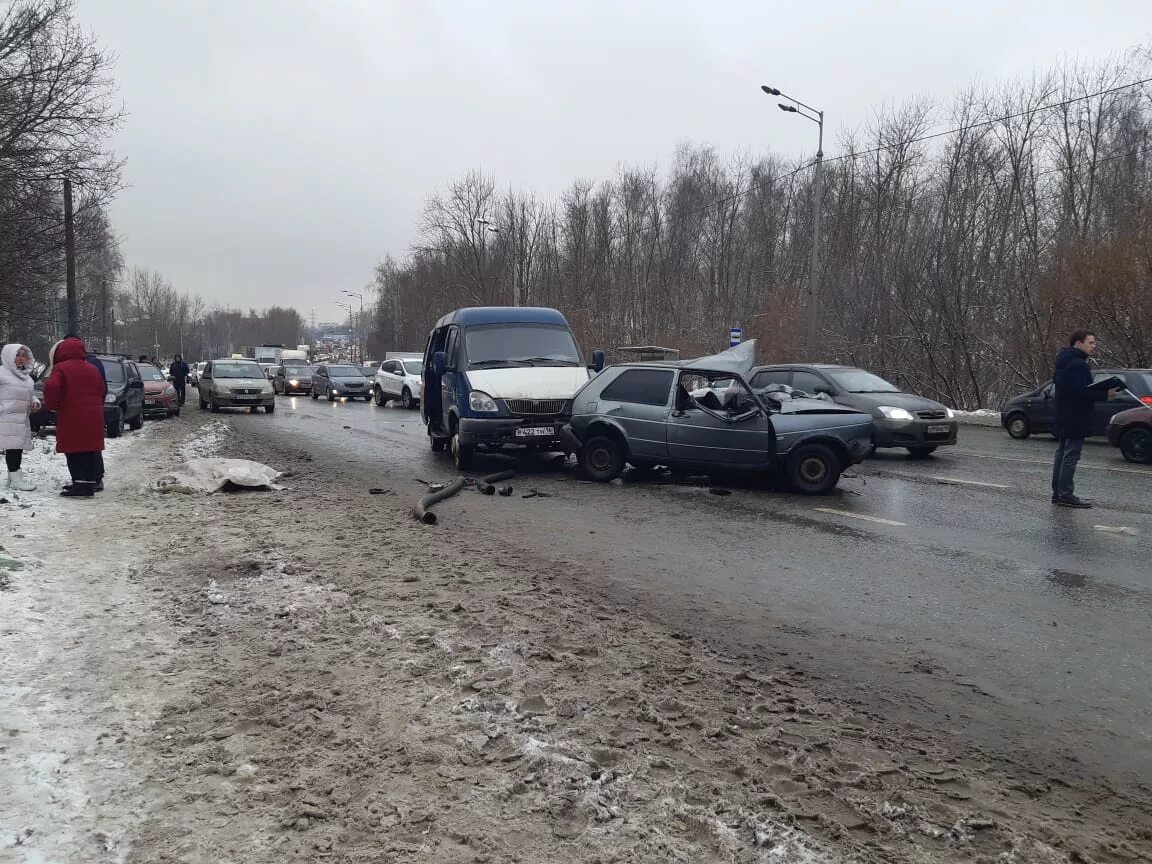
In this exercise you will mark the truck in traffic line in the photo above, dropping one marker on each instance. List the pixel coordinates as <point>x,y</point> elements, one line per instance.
<point>496,377</point>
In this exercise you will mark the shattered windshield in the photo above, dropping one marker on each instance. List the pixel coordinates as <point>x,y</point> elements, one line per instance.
<point>859,381</point>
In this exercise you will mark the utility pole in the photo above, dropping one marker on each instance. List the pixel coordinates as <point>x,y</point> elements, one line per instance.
<point>70,259</point>
<point>105,323</point>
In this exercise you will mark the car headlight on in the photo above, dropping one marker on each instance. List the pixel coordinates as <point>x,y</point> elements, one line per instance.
<point>478,400</point>
<point>295,382</point>
<point>895,413</point>
<point>109,398</point>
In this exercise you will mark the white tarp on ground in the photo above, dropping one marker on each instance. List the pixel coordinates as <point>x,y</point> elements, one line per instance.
<point>214,474</point>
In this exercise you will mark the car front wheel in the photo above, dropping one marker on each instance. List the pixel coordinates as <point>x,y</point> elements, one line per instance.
<point>378,397</point>
<point>462,454</point>
<point>268,409</point>
<point>602,459</point>
<point>813,469</point>
<point>921,452</point>
<point>1136,445</point>
<point>1018,426</point>
<point>313,393</point>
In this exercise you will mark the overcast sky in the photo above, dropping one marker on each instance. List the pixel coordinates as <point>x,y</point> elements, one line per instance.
<point>277,149</point>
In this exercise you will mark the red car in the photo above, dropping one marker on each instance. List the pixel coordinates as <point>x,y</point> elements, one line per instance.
<point>159,394</point>
<point>1131,431</point>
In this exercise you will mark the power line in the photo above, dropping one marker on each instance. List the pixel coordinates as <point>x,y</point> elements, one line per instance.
<point>991,122</point>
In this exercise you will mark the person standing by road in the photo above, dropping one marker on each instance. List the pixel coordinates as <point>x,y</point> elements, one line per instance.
<point>75,391</point>
<point>99,367</point>
<point>17,401</point>
<point>179,371</point>
<point>1075,408</point>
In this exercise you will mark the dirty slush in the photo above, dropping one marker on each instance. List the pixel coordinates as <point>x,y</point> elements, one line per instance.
<point>265,685</point>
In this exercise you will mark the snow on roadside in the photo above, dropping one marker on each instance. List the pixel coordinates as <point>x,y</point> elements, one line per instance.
<point>206,441</point>
<point>979,412</point>
<point>49,471</point>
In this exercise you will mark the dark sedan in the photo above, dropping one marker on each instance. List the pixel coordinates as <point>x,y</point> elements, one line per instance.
<point>291,379</point>
<point>899,419</point>
<point>339,381</point>
<point>1034,412</point>
<point>1131,431</point>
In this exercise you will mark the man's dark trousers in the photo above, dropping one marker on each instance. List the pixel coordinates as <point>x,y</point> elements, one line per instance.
<point>1064,466</point>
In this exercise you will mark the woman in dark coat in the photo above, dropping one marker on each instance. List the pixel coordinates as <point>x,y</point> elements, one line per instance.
<point>75,391</point>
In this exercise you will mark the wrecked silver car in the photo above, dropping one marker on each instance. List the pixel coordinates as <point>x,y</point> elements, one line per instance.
<point>701,414</point>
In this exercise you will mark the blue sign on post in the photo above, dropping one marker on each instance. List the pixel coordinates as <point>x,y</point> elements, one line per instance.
<point>735,334</point>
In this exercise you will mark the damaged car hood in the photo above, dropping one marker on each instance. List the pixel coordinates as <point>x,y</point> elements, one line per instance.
<point>738,360</point>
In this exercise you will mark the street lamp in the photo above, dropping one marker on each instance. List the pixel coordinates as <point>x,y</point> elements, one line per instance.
<point>347,306</point>
<point>817,117</point>
<point>363,335</point>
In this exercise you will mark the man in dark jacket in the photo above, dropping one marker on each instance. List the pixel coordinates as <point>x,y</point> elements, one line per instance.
<point>1075,409</point>
<point>179,371</point>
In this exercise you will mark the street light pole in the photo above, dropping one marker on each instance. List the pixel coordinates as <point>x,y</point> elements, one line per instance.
<point>351,319</point>
<point>362,337</point>
<point>812,327</point>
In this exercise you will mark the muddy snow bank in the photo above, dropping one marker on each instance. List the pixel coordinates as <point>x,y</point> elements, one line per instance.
<point>205,441</point>
<point>214,474</point>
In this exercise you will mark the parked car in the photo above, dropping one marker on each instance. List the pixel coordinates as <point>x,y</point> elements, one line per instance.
<point>496,376</point>
<point>160,399</point>
<point>899,419</point>
<point>1034,412</point>
<point>123,400</point>
<point>339,381</point>
<point>235,384</point>
<point>290,379</point>
<point>645,415</point>
<point>398,379</point>
<point>1131,431</point>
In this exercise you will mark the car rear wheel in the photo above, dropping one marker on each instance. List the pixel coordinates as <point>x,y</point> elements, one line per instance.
<point>406,399</point>
<point>1136,445</point>
<point>921,452</point>
<point>115,425</point>
<point>813,469</point>
<point>602,459</point>
<point>1018,426</point>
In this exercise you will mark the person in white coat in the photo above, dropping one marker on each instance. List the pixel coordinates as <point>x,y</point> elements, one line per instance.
<point>17,401</point>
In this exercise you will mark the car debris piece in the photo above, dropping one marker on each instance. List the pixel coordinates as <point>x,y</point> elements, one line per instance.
<point>421,512</point>
<point>378,491</point>
<point>715,490</point>
<point>487,485</point>
<point>505,492</point>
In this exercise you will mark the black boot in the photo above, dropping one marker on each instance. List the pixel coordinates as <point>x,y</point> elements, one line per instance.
<point>78,489</point>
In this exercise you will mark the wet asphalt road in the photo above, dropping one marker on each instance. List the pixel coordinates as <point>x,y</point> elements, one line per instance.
<point>947,592</point>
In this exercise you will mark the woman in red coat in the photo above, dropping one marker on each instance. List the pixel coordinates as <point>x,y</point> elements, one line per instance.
<point>75,391</point>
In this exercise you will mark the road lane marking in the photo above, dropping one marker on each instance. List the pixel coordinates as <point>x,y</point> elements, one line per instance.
<point>1049,463</point>
<point>949,480</point>
<point>852,515</point>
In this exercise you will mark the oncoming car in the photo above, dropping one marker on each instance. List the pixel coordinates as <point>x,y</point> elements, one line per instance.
<point>646,415</point>
<point>235,384</point>
<point>339,381</point>
<point>291,379</point>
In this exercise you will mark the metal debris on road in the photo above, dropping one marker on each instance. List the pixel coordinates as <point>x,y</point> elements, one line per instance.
<point>1118,529</point>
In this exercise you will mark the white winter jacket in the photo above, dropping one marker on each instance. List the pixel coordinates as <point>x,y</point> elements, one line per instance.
<point>17,397</point>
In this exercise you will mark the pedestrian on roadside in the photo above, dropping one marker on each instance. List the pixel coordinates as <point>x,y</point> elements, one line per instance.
<point>17,401</point>
<point>75,391</point>
<point>98,365</point>
<point>179,371</point>
<point>1075,409</point>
